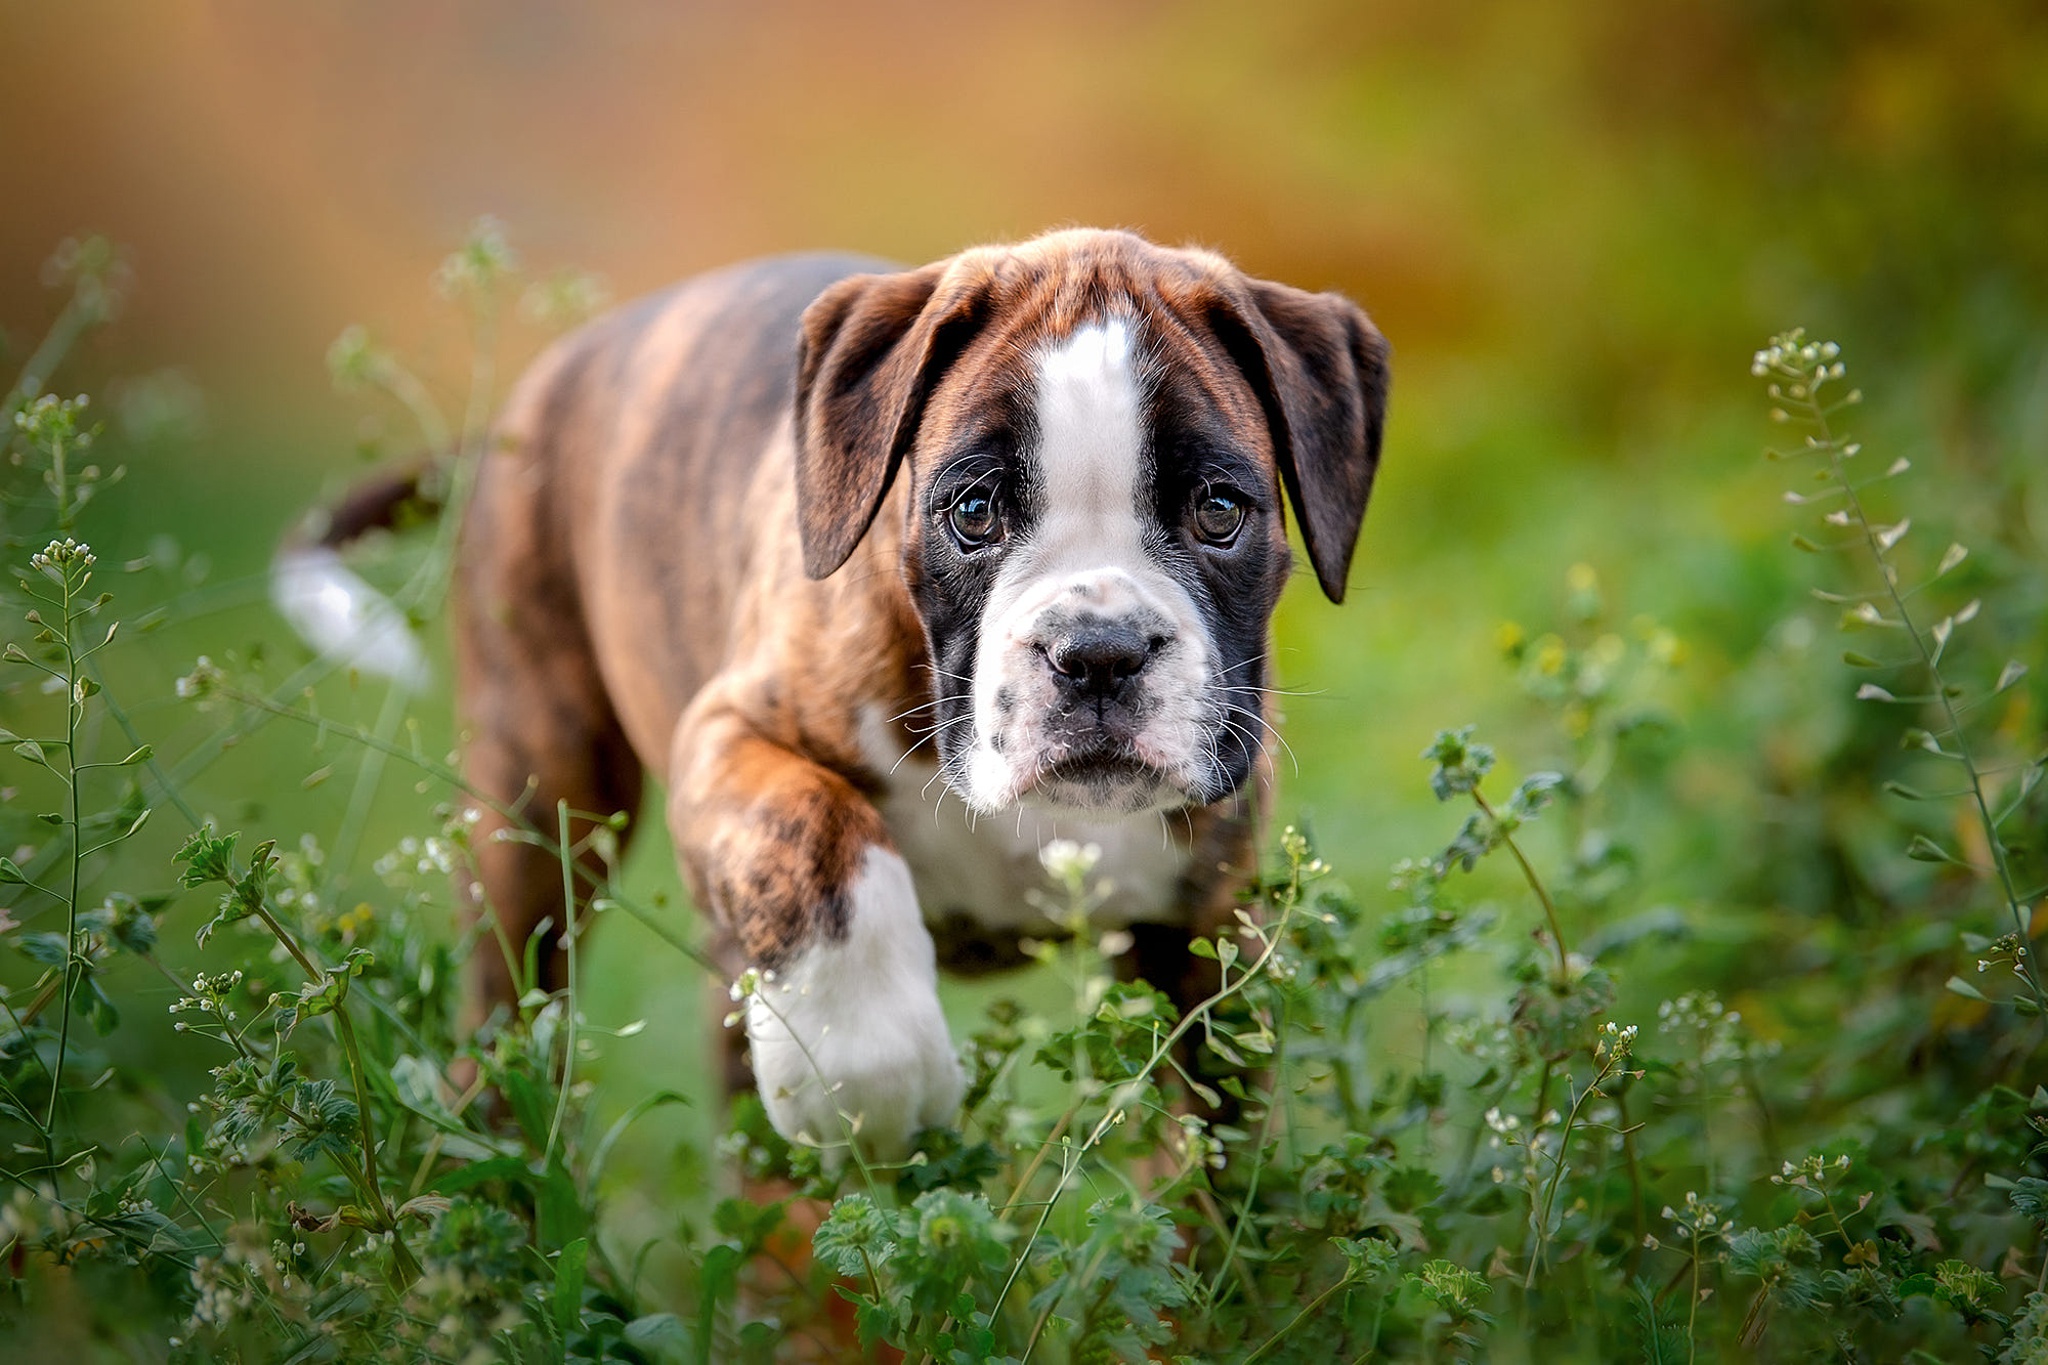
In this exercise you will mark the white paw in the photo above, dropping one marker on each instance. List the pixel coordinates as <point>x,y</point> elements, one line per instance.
<point>848,1040</point>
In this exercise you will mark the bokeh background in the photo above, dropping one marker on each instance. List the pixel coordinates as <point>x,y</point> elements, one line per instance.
<point>1574,221</point>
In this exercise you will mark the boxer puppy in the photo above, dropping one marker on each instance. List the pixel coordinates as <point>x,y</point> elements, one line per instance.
<point>891,576</point>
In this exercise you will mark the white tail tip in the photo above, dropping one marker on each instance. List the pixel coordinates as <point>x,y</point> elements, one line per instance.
<point>344,618</point>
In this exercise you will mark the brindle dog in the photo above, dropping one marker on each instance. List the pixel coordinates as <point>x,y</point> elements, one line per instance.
<point>891,576</point>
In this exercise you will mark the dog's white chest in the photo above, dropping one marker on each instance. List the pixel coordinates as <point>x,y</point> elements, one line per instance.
<point>987,869</point>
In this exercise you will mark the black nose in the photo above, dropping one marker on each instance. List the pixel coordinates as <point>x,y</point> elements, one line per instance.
<point>1097,660</point>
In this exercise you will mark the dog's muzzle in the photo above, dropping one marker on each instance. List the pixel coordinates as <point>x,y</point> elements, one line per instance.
<point>1093,700</point>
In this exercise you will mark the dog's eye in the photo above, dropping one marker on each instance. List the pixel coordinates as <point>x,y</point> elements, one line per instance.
<point>975,519</point>
<point>1218,516</point>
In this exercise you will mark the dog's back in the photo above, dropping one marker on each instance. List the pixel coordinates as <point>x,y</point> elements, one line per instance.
<point>647,427</point>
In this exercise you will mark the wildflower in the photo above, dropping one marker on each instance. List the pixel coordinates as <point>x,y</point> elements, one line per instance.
<point>202,681</point>
<point>60,554</point>
<point>1064,860</point>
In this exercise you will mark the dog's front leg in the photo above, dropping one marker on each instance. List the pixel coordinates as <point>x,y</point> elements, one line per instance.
<point>847,1036</point>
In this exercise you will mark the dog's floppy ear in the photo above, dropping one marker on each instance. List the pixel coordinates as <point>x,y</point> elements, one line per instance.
<point>872,347</point>
<point>1319,367</point>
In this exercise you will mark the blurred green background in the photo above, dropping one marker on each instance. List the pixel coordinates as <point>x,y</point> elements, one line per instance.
<point>1574,222</point>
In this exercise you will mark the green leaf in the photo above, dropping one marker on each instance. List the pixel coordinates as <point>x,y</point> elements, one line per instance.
<point>477,1172</point>
<point>530,1106</point>
<point>853,1236</point>
<point>569,1285</point>
<point>873,1321</point>
<point>1855,660</point>
<point>1957,986</point>
<point>1916,1285</point>
<point>1460,764</point>
<point>601,1154</point>
<point>2029,1194</point>
<point>718,1281</point>
<point>561,1214</point>
<point>11,874</point>
<point>658,1334</point>
<point>1924,849</point>
<point>90,998</point>
<point>49,950</point>
<point>1915,738</point>
<point>134,926</point>
<point>1260,1042</point>
<point>1225,1051</point>
<point>1532,794</point>
<point>206,858</point>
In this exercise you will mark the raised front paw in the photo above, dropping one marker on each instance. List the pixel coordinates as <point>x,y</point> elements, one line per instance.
<point>848,1040</point>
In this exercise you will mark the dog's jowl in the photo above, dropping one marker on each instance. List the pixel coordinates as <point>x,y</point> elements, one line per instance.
<point>890,577</point>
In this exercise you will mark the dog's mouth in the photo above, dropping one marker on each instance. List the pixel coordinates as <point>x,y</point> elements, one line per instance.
<point>1104,779</point>
<point>1101,765</point>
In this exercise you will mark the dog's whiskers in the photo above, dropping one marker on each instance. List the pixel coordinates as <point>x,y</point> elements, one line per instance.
<point>921,706</point>
<point>1254,738</point>
<point>929,736</point>
<point>1266,691</point>
<point>1282,739</point>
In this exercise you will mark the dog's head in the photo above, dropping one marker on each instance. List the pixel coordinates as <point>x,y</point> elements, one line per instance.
<point>1098,437</point>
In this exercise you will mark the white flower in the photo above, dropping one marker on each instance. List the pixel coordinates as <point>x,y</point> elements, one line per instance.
<point>1067,861</point>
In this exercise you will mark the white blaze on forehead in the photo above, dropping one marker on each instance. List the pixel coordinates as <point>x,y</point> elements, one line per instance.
<point>1090,447</point>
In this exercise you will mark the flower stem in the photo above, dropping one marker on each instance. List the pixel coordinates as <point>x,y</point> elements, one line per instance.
<point>1536,885</point>
<point>1818,415</point>
<point>366,1177</point>
<point>74,704</point>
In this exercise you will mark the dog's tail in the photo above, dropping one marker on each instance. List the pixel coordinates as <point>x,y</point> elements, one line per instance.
<point>328,603</point>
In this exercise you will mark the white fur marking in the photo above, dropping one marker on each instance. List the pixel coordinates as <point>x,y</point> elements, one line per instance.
<point>344,618</point>
<point>849,1038</point>
<point>988,868</point>
<point>1087,549</point>
<point>1090,440</point>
